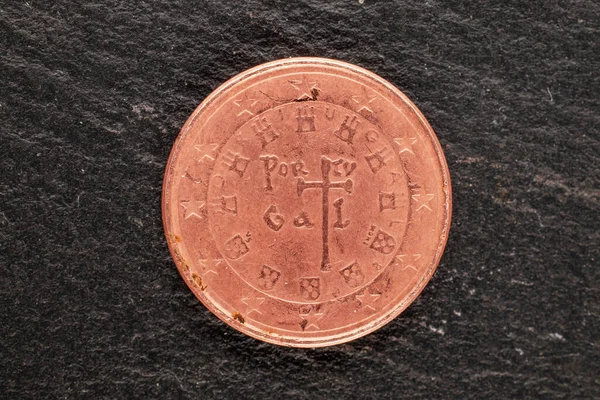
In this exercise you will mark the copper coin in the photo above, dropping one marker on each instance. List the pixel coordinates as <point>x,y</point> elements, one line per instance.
<point>306,202</point>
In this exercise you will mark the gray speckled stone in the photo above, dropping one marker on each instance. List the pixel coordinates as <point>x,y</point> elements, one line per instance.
<point>92,96</point>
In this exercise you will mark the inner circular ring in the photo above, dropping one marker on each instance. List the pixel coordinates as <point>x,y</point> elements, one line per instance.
<point>293,173</point>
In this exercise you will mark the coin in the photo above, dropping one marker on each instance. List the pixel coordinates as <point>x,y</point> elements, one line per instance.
<point>306,202</point>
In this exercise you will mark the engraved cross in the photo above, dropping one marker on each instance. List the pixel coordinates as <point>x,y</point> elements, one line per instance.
<point>325,185</point>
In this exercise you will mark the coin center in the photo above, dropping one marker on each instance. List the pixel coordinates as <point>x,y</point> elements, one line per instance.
<point>308,202</point>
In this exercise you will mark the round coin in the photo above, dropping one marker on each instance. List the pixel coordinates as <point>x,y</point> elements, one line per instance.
<point>306,202</point>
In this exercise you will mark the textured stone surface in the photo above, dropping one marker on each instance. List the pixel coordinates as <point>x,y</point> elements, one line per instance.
<point>92,95</point>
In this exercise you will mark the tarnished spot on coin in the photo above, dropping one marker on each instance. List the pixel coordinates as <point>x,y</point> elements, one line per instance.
<point>310,200</point>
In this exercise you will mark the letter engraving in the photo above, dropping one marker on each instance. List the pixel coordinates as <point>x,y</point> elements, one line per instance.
<point>283,169</point>
<point>236,163</point>
<point>370,235</point>
<point>268,277</point>
<point>339,223</point>
<point>236,247</point>
<point>372,135</point>
<point>330,115</point>
<point>310,288</point>
<point>347,130</point>
<point>274,220</point>
<point>265,132</point>
<point>347,167</point>
<point>298,168</point>
<point>387,201</point>
<point>306,119</point>
<point>325,185</point>
<point>377,159</point>
<point>225,204</point>
<point>353,275</point>
<point>270,163</point>
<point>303,220</point>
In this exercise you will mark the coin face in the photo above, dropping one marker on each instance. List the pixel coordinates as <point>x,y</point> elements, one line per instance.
<point>306,202</point>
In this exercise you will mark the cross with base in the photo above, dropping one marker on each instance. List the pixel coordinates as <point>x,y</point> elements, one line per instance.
<point>325,185</point>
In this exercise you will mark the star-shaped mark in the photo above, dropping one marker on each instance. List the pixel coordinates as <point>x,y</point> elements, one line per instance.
<point>310,319</point>
<point>364,100</point>
<point>252,304</point>
<point>367,299</point>
<point>306,88</point>
<point>402,259</point>
<point>199,171</point>
<point>245,103</point>
<point>208,272</point>
<point>423,200</point>
<point>193,208</point>
<point>210,266</point>
<point>405,145</point>
<point>206,150</point>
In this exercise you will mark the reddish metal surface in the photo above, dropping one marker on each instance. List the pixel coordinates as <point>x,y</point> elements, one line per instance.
<point>306,202</point>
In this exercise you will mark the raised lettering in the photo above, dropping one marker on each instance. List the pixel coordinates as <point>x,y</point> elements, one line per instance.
<point>339,223</point>
<point>343,167</point>
<point>225,204</point>
<point>298,168</point>
<point>306,119</point>
<point>377,159</point>
<point>265,132</point>
<point>236,163</point>
<point>302,220</point>
<point>270,163</point>
<point>347,130</point>
<point>387,201</point>
<point>274,220</point>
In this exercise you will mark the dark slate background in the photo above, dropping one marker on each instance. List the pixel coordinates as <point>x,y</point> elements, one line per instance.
<point>92,96</point>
